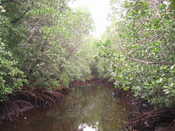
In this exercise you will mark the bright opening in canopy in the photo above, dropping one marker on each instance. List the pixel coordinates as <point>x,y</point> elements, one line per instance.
<point>99,9</point>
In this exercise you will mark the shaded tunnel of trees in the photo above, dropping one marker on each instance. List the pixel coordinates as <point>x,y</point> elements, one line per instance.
<point>46,45</point>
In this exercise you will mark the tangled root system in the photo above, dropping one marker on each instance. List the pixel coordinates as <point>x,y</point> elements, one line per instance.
<point>25,100</point>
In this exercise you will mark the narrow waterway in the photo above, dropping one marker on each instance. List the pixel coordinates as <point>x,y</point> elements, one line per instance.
<point>84,109</point>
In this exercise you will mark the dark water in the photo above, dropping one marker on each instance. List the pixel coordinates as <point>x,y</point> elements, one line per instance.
<point>84,109</point>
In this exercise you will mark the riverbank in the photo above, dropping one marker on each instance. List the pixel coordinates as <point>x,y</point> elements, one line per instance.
<point>28,99</point>
<point>146,117</point>
<point>142,116</point>
<point>90,108</point>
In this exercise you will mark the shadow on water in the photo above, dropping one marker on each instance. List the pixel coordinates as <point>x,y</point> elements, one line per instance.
<point>84,109</point>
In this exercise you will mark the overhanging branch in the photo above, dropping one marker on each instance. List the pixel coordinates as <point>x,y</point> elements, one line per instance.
<point>147,62</point>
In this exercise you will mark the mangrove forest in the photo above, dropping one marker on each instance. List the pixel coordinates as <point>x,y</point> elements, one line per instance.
<point>87,65</point>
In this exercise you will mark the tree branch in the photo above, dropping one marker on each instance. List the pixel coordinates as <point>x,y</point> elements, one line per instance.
<point>147,62</point>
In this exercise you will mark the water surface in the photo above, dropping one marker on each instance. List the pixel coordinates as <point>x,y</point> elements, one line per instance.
<point>84,109</point>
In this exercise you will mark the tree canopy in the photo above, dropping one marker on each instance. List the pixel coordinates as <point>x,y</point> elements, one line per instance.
<point>48,44</point>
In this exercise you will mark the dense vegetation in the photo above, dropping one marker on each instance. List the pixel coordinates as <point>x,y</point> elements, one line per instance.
<point>42,44</point>
<point>139,51</point>
<point>45,43</point>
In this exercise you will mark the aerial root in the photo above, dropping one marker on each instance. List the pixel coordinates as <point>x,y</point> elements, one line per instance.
<point>26,100</point>
<point>152,119</point>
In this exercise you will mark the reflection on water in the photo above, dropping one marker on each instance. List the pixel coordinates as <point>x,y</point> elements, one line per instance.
<point>86,127</point>
<point>84,109</point>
